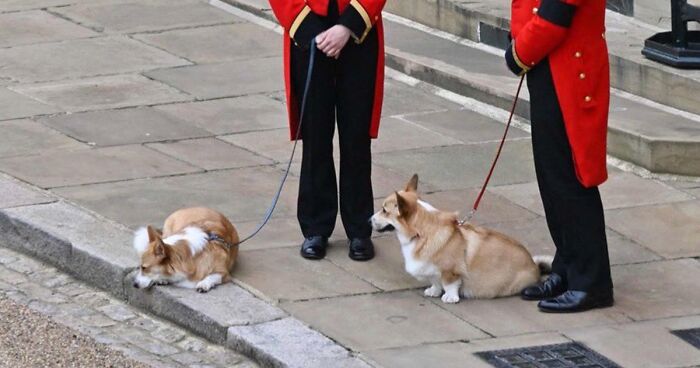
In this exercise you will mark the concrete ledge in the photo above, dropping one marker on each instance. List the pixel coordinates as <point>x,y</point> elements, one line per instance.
<point>73,240</point>
<point>99,252</point>
<point>630,71</point>
<point>209,315</point>
<point>289,343</point>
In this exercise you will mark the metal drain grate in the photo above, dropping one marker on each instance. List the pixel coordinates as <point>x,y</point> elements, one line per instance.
<point>692,336</point>
<point>570,355</point>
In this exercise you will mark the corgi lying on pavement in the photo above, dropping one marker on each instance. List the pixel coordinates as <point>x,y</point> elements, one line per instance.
<point>461,260</point>
<point>196,249</point>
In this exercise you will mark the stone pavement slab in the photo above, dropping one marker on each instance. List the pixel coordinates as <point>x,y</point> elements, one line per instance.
<point>144,16</point>
<point>38,26</point>
<point>493,207</point>
<point>15,105</point>
<point>123,126</point>
<point>87,166</point>
<point>232,115</point>
<point>386,271</point>
<point>82,58</point>
<point>264,342</point>
<point>228,79</point>
<point>210,154</point>
<point>26,137</point>
<point>281,232</point>
<point>17,194</point>
<point>465,125</point>
<point>386,181</point>
<point>689,186</point>
<point>514,316</point>
<point>320,279</point>
<point>412,136</point>
<point>203,45</point>
<point>400,99</point>
<point>671,230</point>
<point>241,194</point>
<point>273,144</point>
<point>458,354</point>
<point>642,344</point>
<point>621,190</point>
<point>534,234</point>
<point>463,166</point>
<point>17,5</point>
<point>368,322</point>
<point>102,93</point>
<point>658,289</point>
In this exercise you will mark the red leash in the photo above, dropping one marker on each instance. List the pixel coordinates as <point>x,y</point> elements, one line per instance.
<point>498,155</point>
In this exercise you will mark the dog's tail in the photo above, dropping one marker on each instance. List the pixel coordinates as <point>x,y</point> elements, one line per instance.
<point>544,263</point>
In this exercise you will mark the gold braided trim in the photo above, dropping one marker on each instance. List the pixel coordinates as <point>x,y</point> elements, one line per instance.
<point>522,65</point>
<point>368,22</point>
<point>298,20</point>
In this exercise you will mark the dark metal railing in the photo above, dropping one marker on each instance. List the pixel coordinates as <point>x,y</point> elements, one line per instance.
<point>680,47</point>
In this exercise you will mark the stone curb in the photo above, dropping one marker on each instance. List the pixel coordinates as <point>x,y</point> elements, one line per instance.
<point>99,252</point>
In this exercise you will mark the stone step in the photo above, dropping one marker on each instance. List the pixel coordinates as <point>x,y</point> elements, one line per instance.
<point>659,139</point>
<point>488,22</point>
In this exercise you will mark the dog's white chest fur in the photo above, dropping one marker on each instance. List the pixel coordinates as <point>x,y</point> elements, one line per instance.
<point>419,269</point>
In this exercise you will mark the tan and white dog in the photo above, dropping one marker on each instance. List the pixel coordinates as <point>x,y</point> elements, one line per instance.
<point>461,260</point>
<point>196,249</point>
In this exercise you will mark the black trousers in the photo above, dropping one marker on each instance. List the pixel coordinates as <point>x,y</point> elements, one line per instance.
<point>574,213</point>
<point>340,89</point>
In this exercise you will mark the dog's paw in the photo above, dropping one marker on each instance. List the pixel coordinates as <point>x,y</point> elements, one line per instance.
<point>433,292</point>
<point>450,299</point>
<point>204,286</point>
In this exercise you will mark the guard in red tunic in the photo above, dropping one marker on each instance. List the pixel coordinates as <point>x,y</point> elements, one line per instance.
<point>347,86</point>
<point>561,46</point>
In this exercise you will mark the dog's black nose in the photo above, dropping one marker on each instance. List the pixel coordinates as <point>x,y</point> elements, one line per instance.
<point>136,285</point>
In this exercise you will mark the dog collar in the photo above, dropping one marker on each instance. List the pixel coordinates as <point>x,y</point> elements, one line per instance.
<point>217,238</point>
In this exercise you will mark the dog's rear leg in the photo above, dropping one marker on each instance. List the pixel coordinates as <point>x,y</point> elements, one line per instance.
<point>451,282</point>
<point>208,283</point>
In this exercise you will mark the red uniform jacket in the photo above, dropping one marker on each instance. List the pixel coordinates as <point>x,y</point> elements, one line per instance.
<point>571,33</point>
<point>301,23</point>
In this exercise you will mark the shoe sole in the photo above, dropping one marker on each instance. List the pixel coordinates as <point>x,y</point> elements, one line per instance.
<point>361,259</point>
<point>313,258</point>
<point>531,299</point>
<point>604,305</point>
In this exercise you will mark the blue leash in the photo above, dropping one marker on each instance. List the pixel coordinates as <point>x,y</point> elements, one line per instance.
<point>276,198</point>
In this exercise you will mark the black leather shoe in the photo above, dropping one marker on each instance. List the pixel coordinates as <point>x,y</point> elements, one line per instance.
<point>550,288</point>
<point>361,249</point>
<point>577,301</point>
<point>314,247</point>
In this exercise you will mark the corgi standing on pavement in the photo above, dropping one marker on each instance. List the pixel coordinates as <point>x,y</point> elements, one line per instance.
<point>461,260</point>
<point>196,249</point>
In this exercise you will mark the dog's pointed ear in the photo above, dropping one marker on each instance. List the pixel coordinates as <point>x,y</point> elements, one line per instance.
<point>412,185</point>
<point>153,234</point>
<point>403,205</point>
<point>160,250</point>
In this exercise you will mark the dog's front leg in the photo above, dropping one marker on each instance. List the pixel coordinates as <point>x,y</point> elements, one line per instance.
<point>435,291</point>
<point>451,283</point>
<point>208,283</point>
